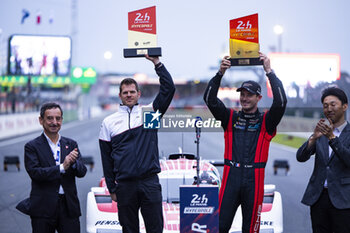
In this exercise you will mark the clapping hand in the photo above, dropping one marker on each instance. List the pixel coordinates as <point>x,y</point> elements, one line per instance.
<point>70,158</point>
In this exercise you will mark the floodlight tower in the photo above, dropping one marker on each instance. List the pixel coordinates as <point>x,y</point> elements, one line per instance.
<point>278,29</point>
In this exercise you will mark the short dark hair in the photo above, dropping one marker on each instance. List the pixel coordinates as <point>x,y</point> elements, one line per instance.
<point>47,106</point>
<point>336,91</point>
<point>128,81</point>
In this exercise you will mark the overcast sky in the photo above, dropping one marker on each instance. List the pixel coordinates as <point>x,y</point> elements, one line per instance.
<point>193,34</point>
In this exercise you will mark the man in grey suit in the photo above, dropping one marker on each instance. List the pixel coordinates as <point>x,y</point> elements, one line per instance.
<point>328,191</point>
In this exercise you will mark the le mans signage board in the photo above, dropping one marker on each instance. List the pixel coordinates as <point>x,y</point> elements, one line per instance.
<point>199,208</point>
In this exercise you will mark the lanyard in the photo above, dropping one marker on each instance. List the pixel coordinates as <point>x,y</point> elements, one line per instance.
<point>57,154</point>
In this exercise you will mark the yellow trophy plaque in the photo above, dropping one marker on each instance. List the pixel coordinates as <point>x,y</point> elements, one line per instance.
<point>244,41</point>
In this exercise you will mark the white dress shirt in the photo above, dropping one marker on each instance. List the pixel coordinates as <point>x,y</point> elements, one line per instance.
<point>56,152</point>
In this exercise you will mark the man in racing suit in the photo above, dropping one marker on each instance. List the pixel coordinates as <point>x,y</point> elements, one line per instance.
<point>130,155</point>
<point>247,137</point>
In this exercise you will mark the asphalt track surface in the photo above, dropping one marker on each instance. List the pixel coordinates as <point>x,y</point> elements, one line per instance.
<point>15,186</point>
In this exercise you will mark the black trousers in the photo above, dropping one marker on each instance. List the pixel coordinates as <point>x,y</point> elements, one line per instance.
<point>144,194</point>
<point>61,222</point>
<point>243,187</point>
<point>326,218</point>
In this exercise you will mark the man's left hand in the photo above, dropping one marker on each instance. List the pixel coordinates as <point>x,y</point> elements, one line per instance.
<point>326,128</point>
<point>155,60</point>
<point>266,62</point>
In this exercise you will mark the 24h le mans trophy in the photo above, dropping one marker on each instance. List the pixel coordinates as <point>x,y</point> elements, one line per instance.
<point>244,41</point>
<point>142,34</point>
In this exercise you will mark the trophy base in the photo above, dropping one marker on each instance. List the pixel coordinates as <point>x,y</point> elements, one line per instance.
<point>141,52</point>
<point>246,61</point>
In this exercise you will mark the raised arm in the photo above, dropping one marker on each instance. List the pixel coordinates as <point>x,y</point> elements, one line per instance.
<point>167,87</point>
<point>278,107</point>
<point>215,105</point>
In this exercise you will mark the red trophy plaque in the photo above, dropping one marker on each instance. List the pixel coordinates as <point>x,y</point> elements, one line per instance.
<point>142,34</point>
<point>244,41</point>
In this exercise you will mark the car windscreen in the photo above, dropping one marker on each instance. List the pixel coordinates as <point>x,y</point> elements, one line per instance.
<point>103,199</point>
<point>268,198</point>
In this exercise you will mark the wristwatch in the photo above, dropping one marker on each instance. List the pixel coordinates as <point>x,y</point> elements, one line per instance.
<point>158,65</point>
<point>272,71</point>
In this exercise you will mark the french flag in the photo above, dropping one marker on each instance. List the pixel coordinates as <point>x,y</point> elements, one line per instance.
<point>38,18</point>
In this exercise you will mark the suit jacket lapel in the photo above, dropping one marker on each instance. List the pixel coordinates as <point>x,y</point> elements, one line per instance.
<point>46,150</point>
<point>342,137</point>
<point>64,149</point>
<point>331,157</point>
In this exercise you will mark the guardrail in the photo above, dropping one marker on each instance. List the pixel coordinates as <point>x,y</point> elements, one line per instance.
<point>12,125</point>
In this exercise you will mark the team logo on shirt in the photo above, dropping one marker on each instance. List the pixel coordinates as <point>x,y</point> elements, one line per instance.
<point>151,120</point>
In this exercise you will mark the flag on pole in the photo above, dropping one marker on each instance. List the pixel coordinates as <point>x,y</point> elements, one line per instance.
<point>51,17</point>
<point>25,15</point>
<point>38,17</point>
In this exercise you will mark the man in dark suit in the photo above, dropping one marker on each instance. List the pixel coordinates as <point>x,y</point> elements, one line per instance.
<point>328,191</point>
<point>52,162</point>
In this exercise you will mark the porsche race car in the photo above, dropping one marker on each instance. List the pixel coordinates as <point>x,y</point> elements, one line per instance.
<point>179,169</point>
